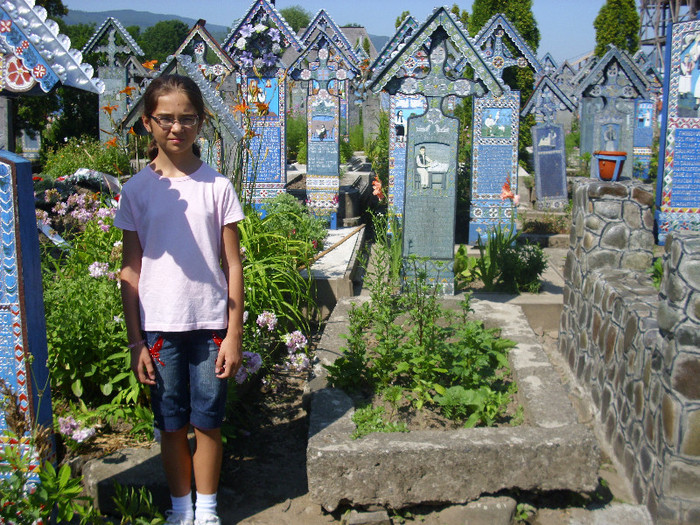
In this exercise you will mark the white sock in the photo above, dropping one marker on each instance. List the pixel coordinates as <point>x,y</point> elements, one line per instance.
<point>183,505</point>
<point>206,505</point>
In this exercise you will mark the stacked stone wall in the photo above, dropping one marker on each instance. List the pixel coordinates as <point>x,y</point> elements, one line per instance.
<point>636,351</point>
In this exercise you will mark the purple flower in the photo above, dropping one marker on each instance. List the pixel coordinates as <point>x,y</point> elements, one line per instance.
<point>247,59</point>
<point>274,34</point>
<point>82,434</point>
<point>60,208</point>
<point>298,362</point>
<point>295,341</point>
<point>246,30</point>
<point>267,320</point>
<point>251,364</point>
<point>269,59</point>
<point>66,425</point>
<point>104,213</point>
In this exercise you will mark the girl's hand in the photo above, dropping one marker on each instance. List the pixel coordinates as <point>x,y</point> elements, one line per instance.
<point>142,365</point>
<point>230,358</point>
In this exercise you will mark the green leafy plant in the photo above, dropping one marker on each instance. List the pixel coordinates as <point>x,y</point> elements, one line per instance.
<point>271,261</point>
<point>657,272</point>
<point>31,488</point>
<point>296,137</point>
<point>85,152</point>
<point>522,266</point>
<point>491,254</point>
<point>370,419</point>
<point>465,267</point>
<point>286,215</point>
<point>377,149</point>
<point>135,506</point>
<point>407,346</point>
<point>357,138</point>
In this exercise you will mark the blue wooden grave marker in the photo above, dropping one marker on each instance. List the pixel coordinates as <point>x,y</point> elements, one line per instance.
<point>256,44</point>
<point>548,143</point>
<point>433,138</point>
<point>678,180</point>
<point>23,350</point>
<point>325,65</point>
<point>608,95</point>
<point>496,123</point>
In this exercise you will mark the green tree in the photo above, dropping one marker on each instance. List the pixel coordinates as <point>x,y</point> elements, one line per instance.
<point>366,45</point>
<point>519,13</point>
<point>53,8</point>
<point>162,39</point>
<point>460,14</point>
<point>617,23</point>
<point>69,111</point>
<point>296,16</point>
<point>403,16</point>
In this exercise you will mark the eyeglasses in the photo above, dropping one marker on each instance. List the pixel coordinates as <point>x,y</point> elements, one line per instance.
<point>186,121</point>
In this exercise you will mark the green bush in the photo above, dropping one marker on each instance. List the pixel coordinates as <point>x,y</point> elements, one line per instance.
<point>85,152</point>
<point>378,150</point>
<point>273,283</point>
<point>287,216</point>
<point>296,137</point>
<point>357,138</point>
<point>345,151</point>
<point>86,333</point>
<point>521,268</point>
<point>302,150</point>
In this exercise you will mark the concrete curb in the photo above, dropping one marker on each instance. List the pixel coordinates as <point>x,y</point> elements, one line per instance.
<point>551,451</point>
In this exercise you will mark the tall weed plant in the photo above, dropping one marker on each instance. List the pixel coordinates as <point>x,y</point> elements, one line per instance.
<point>85,152</point>
<point>273,283</point>
<point>410,341</point>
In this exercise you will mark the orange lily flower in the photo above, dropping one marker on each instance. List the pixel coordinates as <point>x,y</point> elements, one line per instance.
<point>241,108</point>
<point>131,131</point>
<point>377,189</point>
<point>150,64</point>
<point>109,109</point>
<point>263,108</point>
<point>128,90</point>
<point>111,143</point>
<point>249,134</point>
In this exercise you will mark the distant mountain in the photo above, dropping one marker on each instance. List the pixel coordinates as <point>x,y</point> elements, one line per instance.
<point>143,19</point>
<point>146,19</point>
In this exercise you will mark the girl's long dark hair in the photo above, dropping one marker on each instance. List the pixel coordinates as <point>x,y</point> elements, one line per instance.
<point>163,85</point>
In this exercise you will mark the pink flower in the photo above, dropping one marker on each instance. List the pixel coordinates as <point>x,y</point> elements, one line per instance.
<point>516,200</point>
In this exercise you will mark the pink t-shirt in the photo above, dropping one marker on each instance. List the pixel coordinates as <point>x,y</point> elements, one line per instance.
<point>179,220</point>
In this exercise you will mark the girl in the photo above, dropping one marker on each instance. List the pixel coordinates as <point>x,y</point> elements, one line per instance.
<point>182,290</point>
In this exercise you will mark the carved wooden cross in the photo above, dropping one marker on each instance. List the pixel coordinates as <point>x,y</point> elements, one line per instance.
<point>324,70</point>
<point>111,49</point>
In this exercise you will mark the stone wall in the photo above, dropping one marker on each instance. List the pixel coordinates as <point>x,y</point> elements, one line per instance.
<point>636,351</point>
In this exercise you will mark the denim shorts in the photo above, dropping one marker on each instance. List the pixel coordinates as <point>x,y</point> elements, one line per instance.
<point>187,389</point>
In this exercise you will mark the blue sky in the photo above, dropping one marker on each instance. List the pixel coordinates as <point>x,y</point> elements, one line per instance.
<point>566,26</point>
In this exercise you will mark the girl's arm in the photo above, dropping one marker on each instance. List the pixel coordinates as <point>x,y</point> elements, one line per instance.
<point>141,362</point>
<point>231,352</point>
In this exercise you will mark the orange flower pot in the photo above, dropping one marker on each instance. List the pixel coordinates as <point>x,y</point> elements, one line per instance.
<point>610,164</point>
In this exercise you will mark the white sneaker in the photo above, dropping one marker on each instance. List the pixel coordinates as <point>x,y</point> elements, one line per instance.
<point>176,518</point>
<point>209,519</point>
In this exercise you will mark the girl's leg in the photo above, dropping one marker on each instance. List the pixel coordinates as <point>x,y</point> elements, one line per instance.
<point>177,461</point>
<point>207,460</point>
